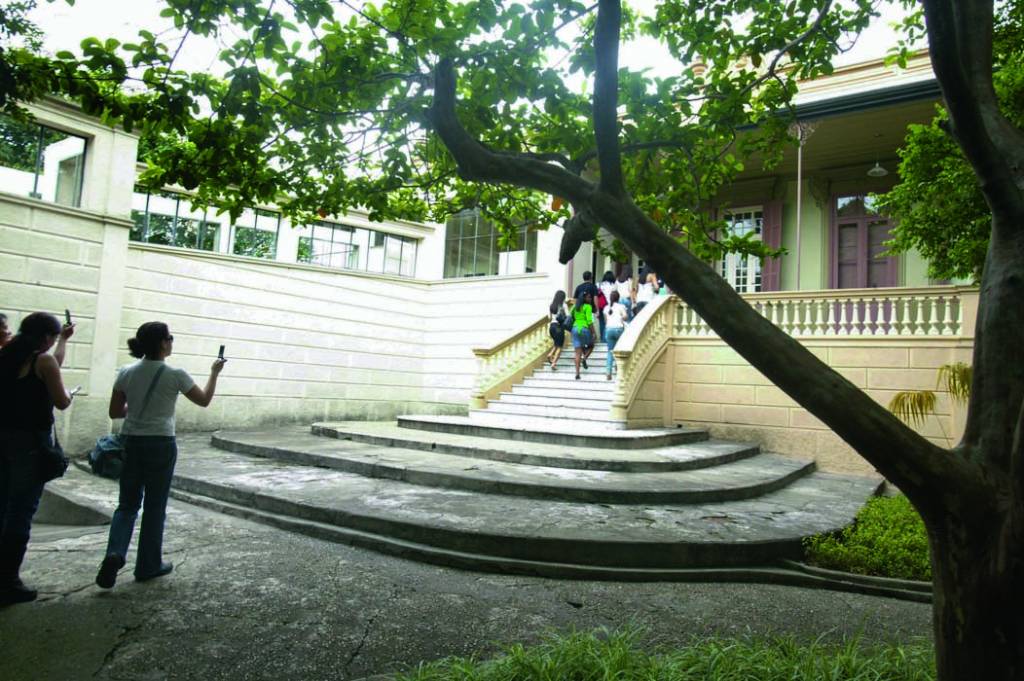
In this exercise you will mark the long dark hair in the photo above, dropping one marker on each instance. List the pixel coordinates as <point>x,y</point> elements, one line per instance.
<point>32,331</point>
<point>625,273</point>
<point>609,277</point>
<point>557,303</point>
<point>148,339</point>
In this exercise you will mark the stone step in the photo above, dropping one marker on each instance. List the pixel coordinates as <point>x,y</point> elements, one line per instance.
<point>592,376</point>
<point>581,402</point>
<point>552,410</point>
<point>605,397</point>
<point>564,422</point>
<point>485,529</point>
<point>568,358</point>
<point>670,458</point>
<point>554,431</point>
<point>742,479</point>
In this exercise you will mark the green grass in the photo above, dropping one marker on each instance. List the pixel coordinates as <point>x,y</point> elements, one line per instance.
<point>617,656</point>
<point>887,539</point>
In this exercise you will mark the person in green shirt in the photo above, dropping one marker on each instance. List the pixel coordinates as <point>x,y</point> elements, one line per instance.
<point>583,332</point>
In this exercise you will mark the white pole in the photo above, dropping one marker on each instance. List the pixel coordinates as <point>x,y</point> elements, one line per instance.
<point>799,198</point>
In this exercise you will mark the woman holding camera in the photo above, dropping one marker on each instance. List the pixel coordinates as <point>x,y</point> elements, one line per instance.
<point>145,394</point>
<point>30,387</point>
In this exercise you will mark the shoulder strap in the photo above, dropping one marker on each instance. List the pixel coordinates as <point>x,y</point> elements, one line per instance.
<point>149,393</point>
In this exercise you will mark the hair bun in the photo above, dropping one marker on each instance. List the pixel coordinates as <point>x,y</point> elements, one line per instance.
<point>135,348</point>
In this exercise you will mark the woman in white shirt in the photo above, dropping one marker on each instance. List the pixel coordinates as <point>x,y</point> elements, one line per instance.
<point>624,285</point>
<point>615,323</point>
<point>646,291</point>
<point>144,395</point>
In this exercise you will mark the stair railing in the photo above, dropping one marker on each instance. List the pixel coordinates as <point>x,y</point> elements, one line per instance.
<point>639,348</point>
<point>508,362</point>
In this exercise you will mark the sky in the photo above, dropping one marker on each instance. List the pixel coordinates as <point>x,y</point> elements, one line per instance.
<point>65,26</point>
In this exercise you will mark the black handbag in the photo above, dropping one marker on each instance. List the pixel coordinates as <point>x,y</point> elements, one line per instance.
<point>51,462</point>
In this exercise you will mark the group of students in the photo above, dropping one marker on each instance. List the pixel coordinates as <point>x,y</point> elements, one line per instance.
<point>614,302</point>
<point>144,395</point>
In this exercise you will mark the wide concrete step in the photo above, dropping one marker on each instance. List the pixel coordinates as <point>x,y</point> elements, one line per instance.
<point>678,457</point>
<point>594,377</point>
<point>551,410</point>
<point>597,404</point>
<point>568,431</point>
<point>585,393</point>
<point>482,530</point>
<point>741,479</point>
<point>552,431</point>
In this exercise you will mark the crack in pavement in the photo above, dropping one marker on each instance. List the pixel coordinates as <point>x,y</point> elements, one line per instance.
<point>118,644</point>
<point>366,629</point>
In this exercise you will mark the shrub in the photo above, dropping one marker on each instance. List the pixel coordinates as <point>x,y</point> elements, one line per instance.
<point>887,539</point>
<point>617,656</point>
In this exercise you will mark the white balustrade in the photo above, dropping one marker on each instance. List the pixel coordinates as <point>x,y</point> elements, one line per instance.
<point>850,313</point>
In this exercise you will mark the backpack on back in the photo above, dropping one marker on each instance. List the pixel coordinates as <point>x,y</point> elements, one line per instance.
<point>107,458</point>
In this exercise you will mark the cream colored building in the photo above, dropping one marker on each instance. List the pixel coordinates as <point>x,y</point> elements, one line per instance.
<point>349,319</point>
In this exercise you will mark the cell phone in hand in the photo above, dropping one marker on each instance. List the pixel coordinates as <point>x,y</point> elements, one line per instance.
<point>220,353</point>
<point>67,316</point>
<point>77,389</point>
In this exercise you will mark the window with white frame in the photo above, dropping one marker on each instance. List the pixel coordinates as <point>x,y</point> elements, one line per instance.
<point>169,219</point>
<point>472,250</point>
<point>41,162</point>
<point>355,248</point>
<point>743,272</point>
<point>254,233</point>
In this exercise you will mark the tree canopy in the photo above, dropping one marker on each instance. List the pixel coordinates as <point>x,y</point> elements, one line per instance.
<point>326,106</point>
<point>937,206</point>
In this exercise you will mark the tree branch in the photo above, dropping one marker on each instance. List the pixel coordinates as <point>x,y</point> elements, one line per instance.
<point>477,162</point>
<point>606,96</point>
<point>903,456</point>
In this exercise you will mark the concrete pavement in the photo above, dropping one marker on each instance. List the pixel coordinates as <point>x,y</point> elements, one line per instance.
<point>247,601</point>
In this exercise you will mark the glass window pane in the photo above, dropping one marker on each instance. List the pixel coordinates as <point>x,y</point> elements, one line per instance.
<point>393,255</point>
<point>41,162</point>
<point>63,161</point>
<point>409,258</point>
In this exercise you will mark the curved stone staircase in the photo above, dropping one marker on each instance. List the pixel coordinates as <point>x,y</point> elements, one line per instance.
<point>529,485</point>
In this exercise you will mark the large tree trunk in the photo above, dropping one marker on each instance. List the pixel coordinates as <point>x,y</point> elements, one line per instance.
<point>978,570</point>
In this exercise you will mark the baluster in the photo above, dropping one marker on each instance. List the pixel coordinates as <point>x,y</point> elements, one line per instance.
<point>857,326</point>
<point>900,316</point>
<point>821,326</point>
<point>933,317</point>
<point>784,322</point>
<point>843,329</point>
<point>959,317</point>
<point>872,316</point>
<point>886,311</point>
<point>920,329</point>
<point>807,329</point>
<point>947,317</point>
<point>830,322</point>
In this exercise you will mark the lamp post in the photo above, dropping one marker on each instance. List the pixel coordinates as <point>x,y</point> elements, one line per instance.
<point>801,130</point>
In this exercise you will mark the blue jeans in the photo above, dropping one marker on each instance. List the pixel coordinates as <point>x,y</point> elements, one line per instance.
<point>146,482</point>
<point>581,338</point>
<point>20,490</point>
<point>613,337</point>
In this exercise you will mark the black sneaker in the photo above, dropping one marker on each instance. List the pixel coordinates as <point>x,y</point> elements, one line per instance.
<point>165,569</point>
<point>17,593</point>
<point>107,575</point>
<point>585,364</point>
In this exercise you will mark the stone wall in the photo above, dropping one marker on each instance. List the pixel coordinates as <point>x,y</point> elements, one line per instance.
<point>704,382</point>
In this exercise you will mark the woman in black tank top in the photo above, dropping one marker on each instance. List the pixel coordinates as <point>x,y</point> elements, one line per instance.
<point>30,387</point>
